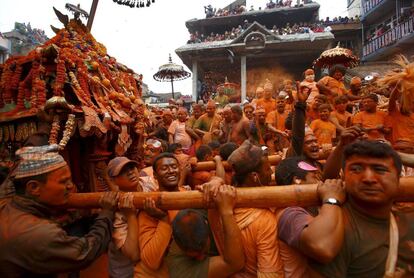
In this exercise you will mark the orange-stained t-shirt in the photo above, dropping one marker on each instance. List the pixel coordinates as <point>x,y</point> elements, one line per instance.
<point>402,126</point>
<point>371,120</point>
<point>277,120</point>
<point>336,86</point>
<point>269,105</point>
<point>343,118</point>
<point>260,244</point>
<point>154,237</point>
<point>324,131</point>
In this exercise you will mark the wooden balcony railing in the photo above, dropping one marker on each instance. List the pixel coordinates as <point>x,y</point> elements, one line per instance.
<point>389,37</point>
<point>371,4</point>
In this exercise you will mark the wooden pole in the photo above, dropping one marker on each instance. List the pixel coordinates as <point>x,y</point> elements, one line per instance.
<point>255,197</point>
<point>92,14</point>
<point>211,165</point>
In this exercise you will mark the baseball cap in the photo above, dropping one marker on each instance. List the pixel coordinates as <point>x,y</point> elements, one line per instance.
<point>115,165</point>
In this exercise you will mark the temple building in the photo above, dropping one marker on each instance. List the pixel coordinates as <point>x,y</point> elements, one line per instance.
<point>249,47</point>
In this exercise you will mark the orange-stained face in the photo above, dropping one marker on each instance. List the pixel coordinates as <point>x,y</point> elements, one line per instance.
<point>182,115</point>
<point>338,75</point>
<point>324,114</point>
<point>340,107</point>
<point>167,172</point>
<point>210,110</point>
<point>56,189</point>
<point>261,117</point>
<point>150,152</point>
<point>268,94</point>
<point>197,111</point>
<point>371,180</point>
<point>369,105</point>
<point>280,105</point>
<point>248,112</point>
<point>128,178</point>
<point>311,147</point>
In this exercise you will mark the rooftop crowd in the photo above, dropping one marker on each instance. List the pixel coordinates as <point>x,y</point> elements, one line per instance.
<point>239,9</point>
<point>296,28</point>
<point>354,142</point>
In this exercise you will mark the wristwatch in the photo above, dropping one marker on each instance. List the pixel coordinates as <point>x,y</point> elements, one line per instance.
<point>333,201</point>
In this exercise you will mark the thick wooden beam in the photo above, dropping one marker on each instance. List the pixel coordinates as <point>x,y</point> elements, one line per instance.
<point>257,197</point>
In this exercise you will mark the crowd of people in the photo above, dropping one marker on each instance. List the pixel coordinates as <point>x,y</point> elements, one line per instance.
<point>320,132</point>
<point>296,28</point>
<point>239,9</point>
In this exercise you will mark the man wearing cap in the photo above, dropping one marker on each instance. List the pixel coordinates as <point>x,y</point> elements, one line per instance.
<point>123,251</point>
<point>267,102</point>
<point>258,226</point>
<point>31,244</point>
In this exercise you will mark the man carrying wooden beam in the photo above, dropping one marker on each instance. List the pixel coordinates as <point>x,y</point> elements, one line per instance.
<point>358,238</point>
<point>31,243</point>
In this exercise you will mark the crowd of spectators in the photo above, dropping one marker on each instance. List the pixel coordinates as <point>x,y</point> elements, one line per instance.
<point>214,12</point>
<point>296,28</point>
<point>340,20</point>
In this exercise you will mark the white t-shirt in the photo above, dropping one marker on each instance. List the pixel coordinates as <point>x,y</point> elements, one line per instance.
<point>177,129</point>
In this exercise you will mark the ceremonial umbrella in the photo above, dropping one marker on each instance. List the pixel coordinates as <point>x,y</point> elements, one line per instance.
<point>229,89</point>
<point>337,55</point>
<point>171,72</point>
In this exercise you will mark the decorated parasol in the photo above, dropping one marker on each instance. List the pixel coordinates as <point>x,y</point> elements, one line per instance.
<point>171,72</point>
<point>337,55</point>
<point>230,89</point>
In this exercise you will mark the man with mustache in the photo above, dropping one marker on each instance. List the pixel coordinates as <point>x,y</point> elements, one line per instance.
<point>351,239</point>
<point>31,243</point>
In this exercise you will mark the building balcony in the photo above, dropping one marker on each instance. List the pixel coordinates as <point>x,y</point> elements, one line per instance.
<point>371,4</point>
<point>396,37</point>
<point>373,10</point>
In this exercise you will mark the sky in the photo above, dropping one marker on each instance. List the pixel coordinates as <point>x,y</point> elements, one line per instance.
<point>139,38</point>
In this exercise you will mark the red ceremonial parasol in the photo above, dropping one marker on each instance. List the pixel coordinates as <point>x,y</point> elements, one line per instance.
<point>337,55</point>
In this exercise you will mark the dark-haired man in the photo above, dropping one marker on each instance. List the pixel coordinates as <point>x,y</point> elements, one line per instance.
<point>31,244</point>
<point>351,239</point>
<point>332,85</point>
<point>258,226</point>
<point>154,224</point>
<point>371,120</point>
<point>240,129</point>
<point>190,254</point>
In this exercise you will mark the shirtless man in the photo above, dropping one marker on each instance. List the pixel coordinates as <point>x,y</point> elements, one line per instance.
<point>241,129</point>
